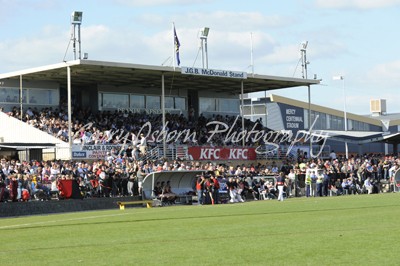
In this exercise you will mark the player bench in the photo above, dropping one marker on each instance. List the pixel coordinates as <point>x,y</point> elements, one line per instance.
<point>121,204</point>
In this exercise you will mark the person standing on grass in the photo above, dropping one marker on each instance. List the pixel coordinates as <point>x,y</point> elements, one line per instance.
<point>209,187</point>
<point>320,182</point>
<point>233,190</point>
<point>314,178</point>
<point>216,188</point>
<point>308,184</point>
<point>200,189</point>
<point>280,183</point>
<point>290,181</point>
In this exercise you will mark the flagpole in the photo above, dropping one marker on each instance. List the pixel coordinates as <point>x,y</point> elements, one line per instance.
<point>173,45</point>
<point>251,54</point>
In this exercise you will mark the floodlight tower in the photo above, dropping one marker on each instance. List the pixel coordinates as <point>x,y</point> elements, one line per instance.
<point>304,61</point>
<point>203,42</point>
<point>344,111</point>
<point>76,21</point>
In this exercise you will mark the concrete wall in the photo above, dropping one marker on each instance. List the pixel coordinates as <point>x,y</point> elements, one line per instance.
<point>14,209</point>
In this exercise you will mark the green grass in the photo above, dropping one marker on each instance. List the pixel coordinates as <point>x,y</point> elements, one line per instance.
<point>349,230</point>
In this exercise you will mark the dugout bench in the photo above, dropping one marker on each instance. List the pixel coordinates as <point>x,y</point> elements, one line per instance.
<point>121,204</point>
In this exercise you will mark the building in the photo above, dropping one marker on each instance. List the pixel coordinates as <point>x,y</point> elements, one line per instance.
<point>374,133</point>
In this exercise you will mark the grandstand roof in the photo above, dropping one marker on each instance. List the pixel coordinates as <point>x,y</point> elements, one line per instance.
<point>27,146</point>
<point>89,72</point>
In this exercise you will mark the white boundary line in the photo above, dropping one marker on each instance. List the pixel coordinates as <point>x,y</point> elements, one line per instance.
<point>65,220</point>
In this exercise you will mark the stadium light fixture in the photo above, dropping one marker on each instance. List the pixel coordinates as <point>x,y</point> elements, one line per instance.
<point>203,44</point>
<point>76,21</point>
<point>205,31</point>
<point>76,17</point>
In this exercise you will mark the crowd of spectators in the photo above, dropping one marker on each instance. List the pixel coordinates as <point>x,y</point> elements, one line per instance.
<point>121,172</point>
<point>110,127</point>
<point>116,176</point>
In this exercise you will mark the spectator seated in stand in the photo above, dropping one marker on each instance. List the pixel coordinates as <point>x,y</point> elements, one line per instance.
<point>40,191</point>
<point>368,185</point>
<point>271,190</point>
<point>98,128</point>
<point>167,196</point>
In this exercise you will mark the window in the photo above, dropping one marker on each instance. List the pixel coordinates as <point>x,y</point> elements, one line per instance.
<point>259,109</point>
<point>169,102</point>
<point>228,105</point>
<point>334,122</point>
<point>328,121</point>
<point>111,100</point>
<point>322,118</point>
<point>180,103</point>
<point>207,105</point>
<point>340,123</point>
<point>11,95</point>
<point>137,101</point>
<point>350,124</point>
<point>153,102</point>
<point>30,96</point>
<point>247,110</point>
<point>47,97</point>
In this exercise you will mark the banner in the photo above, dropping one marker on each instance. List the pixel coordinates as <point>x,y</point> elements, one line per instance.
<point>213,73</point>
<point>95,151</point>
<point>220,153</point>
<point>69,189</point>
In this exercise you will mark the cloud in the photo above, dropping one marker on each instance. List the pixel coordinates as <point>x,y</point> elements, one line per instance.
<point>385,71</point>
<point>221,20</point>
<point>356,4</point>
<point>283,54</point>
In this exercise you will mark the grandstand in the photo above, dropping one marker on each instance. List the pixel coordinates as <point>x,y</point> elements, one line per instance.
<point>114,97</point>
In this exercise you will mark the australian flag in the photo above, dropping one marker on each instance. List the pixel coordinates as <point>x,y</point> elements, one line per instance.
<point>177,45</point>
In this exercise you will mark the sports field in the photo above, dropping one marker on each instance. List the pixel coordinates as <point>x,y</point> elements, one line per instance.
<point>347,230</point>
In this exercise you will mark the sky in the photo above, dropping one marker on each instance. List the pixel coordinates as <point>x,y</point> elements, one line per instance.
<point>356,39</point>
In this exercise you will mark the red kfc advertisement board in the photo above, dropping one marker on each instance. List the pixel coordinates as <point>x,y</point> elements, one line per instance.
<point>220,153</point>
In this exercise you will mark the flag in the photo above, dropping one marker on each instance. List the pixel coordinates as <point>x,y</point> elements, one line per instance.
<point>177,45</point>
<point>69,189</point>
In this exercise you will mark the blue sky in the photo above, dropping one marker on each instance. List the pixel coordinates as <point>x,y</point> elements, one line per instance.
<point>358,39</point>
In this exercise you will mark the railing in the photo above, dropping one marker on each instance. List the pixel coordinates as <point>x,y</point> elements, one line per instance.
<point>268,152</point>
<point>152,154</point>
<point>290,152</point>
<point>173,152</point>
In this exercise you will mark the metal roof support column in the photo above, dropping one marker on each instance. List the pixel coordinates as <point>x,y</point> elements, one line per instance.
<point>69,113</point>
<point>266,109</point>
<point>20,94</point>
<point>163,114</point>
<point>153,195</point>
<point>242,105</point>
<point>309,117</point>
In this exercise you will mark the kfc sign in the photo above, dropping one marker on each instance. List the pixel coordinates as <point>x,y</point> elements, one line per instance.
<point>219,153</point>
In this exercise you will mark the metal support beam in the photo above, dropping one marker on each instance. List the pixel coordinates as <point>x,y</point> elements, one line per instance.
<point>242,105</point>
<point>20,95</point>
<point>163,113</point>
<point>69,112</point>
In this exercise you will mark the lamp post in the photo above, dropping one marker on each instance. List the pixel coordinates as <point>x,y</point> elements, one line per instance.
<point>344,111</point>
<point>203,42</point>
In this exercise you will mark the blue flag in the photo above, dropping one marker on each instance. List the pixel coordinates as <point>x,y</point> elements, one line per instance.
<point>177,45</point>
